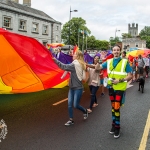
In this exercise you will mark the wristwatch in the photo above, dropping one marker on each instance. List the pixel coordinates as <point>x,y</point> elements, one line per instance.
<point>122,80</point>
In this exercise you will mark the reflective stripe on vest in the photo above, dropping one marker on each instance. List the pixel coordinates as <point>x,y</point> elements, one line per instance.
<point>116,72</point>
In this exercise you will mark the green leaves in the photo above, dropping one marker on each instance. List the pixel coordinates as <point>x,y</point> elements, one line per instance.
<point>77,30</point>
<point>145,35</point>
<point>80,34</point>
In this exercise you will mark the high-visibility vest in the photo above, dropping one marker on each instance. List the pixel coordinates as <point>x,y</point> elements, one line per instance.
<point>117,73</point>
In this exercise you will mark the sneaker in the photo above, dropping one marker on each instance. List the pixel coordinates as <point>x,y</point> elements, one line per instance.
<point>68,123</point>
<point>102,94</point>
<point>85,116</point>
<point>133,81</point>
<point>117,133</point>
<point>112,131</point>
<point>89,111</point>
<point>95,105</point>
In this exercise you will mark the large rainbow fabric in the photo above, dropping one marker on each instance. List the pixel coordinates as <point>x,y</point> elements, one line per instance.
<point>26,65</point>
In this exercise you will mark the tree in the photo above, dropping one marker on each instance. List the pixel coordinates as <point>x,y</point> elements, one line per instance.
<point>76,26</point>
<point>102,44</point>
<point>126,35</point>
<point>113,41</point>
<point>145,35</point>
<point>91,42</point>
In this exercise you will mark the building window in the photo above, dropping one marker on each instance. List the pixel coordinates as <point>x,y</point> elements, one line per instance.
<point>35,27</point>
<point>56,38</point>
<point>7,22</point>
<point>57,28</point>
<point>45,29</point>
<point>22,25</point>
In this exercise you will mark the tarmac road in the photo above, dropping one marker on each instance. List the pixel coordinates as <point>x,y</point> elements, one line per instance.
<point>40,125</point>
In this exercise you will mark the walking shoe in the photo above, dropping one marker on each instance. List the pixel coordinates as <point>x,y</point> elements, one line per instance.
<point>95,105</point>
<point>85,115</point>
<point>68,123</point>
<point>117,133</point>
<point>112,131</point>
<point>89,111</point>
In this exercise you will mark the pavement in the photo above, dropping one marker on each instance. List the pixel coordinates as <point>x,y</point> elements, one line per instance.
<point>39,125</point>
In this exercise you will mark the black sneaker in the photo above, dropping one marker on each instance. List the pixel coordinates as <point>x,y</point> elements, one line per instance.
<point>112,131</point>
<point>85,115</point>
<point>117,133</point>
<point>68,123</point>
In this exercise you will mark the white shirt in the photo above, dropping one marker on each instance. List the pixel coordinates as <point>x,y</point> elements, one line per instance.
<point>147,61</point>
<point>58,55</point>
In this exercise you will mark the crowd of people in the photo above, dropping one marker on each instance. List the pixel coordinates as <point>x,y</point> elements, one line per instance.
<point>119,72</point>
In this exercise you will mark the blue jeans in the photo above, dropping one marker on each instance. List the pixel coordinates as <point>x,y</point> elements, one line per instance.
<point>93,90</point>
<point>74,97</point>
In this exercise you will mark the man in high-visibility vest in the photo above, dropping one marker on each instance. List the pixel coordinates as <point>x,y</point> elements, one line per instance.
<point>119,73</point>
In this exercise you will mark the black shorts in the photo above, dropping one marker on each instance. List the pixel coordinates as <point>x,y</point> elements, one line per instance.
<point>140,70</point>
<point>147,68</point>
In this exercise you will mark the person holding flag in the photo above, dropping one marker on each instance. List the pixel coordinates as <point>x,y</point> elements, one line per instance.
<point>76,69</point>
<point>119,73</point>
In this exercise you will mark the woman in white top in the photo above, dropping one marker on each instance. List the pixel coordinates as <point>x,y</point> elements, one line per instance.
<point>94,82</point>
<point>147,62</point>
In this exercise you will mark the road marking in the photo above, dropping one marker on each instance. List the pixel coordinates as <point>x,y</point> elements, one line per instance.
<point>145,134</point>
<point>57,103</point>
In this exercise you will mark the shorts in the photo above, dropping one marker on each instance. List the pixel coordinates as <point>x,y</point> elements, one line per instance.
<point>140,70</point>
<point>101,81</point>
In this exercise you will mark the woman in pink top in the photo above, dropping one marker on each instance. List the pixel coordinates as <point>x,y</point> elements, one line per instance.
<point>94,82</point>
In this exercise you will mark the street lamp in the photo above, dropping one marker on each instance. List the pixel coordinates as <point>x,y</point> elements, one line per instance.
<point>69,23</point>
<point>116,31</point>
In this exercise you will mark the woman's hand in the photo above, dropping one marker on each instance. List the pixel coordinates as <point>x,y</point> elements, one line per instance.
<point>53,58</point>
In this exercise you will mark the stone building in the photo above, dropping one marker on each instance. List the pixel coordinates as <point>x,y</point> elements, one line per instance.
<point>22,19</point>
<point>133,30</point>
<point>135,42</point>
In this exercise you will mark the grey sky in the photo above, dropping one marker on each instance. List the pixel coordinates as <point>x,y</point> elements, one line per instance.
<point>102,17</point>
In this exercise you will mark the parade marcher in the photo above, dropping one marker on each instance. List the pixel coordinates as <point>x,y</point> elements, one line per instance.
<point>124,55</point>
<point>102,81</point>
<point>140,67</point>
<point>76,68</point>
<point>119,73</point>
<point>93,83</point>
<point>146,60</point>
<point>58,53</point>
<point>134,70</point>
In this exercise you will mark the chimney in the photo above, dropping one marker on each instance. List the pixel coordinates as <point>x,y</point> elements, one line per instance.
<point>27,3</point>
<point>16,1</point>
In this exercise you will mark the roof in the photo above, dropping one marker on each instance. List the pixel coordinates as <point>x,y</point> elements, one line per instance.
<point>28,9</point>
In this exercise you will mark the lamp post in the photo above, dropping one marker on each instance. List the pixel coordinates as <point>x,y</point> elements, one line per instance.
<point>69,23</point>
<point>116,31</point>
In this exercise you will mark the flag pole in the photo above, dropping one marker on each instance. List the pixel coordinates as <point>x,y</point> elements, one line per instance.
<point>83,42</point>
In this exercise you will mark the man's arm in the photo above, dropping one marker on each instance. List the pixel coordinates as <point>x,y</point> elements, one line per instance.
<point>128,77</point>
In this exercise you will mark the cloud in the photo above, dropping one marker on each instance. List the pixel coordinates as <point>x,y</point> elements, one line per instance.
<point>102,17</point>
